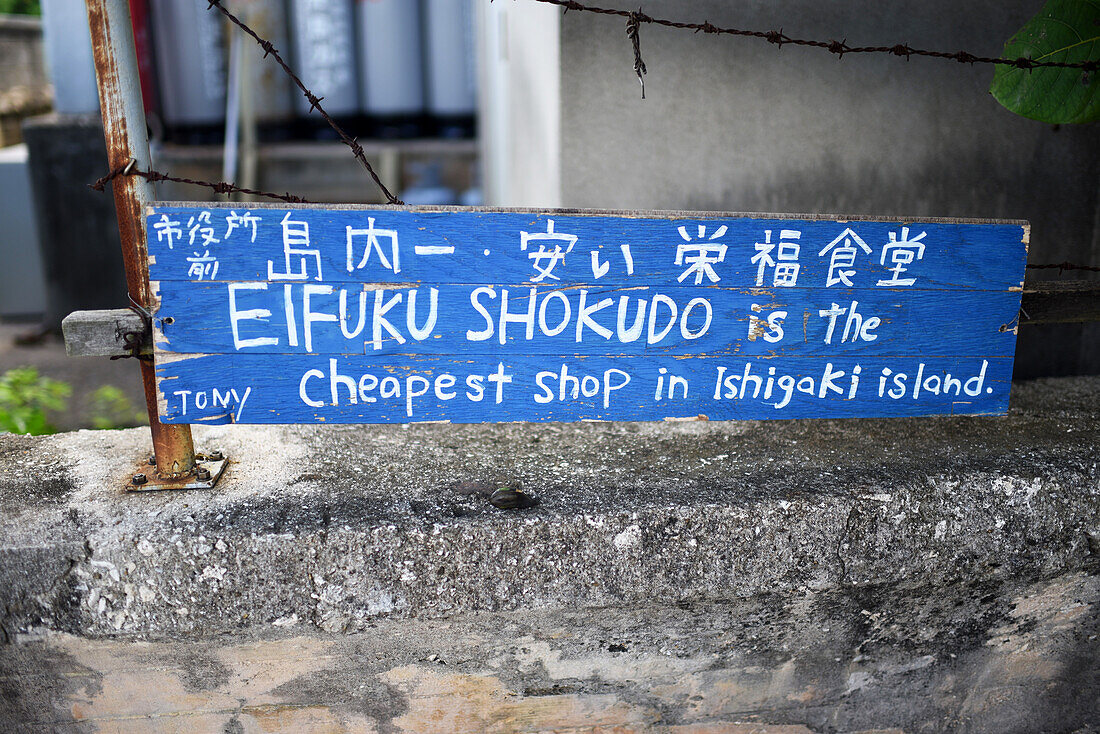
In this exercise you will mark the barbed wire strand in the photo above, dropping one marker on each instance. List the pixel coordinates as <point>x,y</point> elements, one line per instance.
<point>1064,266</point>
<point>634,21</point>
<point>314,100</point>
<point>220,187</point>
<point>128,169</point>
<point>839,48</point>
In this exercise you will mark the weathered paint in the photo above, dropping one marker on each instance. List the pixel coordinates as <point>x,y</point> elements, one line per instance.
<point>352,314</point>
<point>107,333</point>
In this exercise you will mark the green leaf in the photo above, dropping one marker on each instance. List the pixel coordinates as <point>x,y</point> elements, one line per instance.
<point>110,408</point>
<point>24,399</point>
<point>1065,31</point>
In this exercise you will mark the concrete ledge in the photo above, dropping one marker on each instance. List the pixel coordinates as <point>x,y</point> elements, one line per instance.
<point>336,527</point>
<point>981,656</point>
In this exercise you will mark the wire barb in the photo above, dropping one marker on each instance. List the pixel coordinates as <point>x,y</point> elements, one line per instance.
<point>136,340</point>
<point>632,24</point>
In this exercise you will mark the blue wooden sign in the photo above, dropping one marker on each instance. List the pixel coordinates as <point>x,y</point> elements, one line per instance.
<point>271,314</point>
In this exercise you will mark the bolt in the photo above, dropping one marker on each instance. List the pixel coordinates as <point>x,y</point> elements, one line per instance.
<point>215,456</point>
<point>152,461</point>
<point>139,479</point>
<point>202,474</point>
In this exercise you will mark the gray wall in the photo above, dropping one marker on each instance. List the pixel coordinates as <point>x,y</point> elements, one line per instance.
<point>738,125</point>
<point>78,230</point>
<point>22,283</point>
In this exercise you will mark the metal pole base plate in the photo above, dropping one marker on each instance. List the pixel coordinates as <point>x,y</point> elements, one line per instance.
<point>208,470</point>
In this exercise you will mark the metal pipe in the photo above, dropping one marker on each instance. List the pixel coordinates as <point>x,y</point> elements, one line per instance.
<point>124,131</point>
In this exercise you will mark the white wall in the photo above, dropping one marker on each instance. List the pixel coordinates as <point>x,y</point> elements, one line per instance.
<point>520,106</point>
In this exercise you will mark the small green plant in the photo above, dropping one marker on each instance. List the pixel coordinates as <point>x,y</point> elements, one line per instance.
<point>20,7</point>
<point>25,396</point>
<point>108,407</point>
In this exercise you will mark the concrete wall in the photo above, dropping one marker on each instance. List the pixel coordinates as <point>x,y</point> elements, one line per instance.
<point>68,47</point>
<point>24,88</point>
<point>22,283</point>
<point>78,231</point>
<point>738,125</point>
<point>21,60</point>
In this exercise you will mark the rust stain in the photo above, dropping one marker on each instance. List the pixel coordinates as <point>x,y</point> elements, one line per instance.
<point>116,133</point>
<point>172,445</point>
<point>480,704</point>
<point>736,727</point>
<point>312,719</point>
<point>805,696</point>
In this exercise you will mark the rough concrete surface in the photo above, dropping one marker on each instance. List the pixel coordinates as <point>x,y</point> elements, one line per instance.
<point>340,525</point>
<point>719,550</point>
<point>988,656</point>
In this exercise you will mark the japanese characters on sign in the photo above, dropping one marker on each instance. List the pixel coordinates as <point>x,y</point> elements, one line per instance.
<point>276,315</point>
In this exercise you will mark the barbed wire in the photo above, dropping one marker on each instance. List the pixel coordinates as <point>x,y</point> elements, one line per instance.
<point>1064,266</point>
<point>634,21</point>
<point>314,100</point>
<point>130,169</point>
<point>220,187</point>
<point>778,38</point>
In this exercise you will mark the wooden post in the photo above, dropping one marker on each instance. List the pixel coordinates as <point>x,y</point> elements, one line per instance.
<point>127,140</point>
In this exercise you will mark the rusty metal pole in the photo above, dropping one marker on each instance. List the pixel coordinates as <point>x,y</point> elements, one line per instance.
<point>124,130</point>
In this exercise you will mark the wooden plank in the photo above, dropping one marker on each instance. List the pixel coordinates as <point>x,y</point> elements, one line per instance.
<point>487,246</point>
<point>1060,302</point>
<point>105,333</point>
<point>358,314</point>
<point>351,319</point>
<point>252,388</point>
